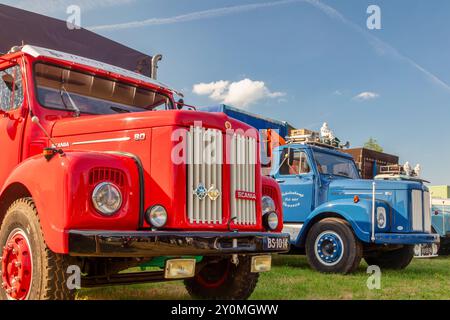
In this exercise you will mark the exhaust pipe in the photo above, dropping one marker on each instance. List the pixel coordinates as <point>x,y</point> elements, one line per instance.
<point>155,60</point>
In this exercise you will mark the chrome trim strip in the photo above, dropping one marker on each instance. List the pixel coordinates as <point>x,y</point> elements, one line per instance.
<point>101,141</point>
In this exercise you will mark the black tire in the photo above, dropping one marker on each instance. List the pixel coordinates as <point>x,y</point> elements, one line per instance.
<point>396,260</point>
<point>48,272</point>
<point>223,280</point>
<point>332,247</point>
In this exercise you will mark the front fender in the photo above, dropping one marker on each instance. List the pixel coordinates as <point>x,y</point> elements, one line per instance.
<point>358,215</point>
<point>61,190</point>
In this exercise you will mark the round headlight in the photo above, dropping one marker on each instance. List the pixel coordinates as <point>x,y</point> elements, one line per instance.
<point>156,216</point>
<point>107,198</point>
<point>381,217</point>
<point>268,205</point>
<point>271,221</point>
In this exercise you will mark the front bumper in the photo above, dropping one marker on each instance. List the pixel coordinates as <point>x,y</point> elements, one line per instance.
<point>169,243</point>
<point>406,238</point>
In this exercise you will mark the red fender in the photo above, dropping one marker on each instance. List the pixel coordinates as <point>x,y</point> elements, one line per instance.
<point>61,189</point>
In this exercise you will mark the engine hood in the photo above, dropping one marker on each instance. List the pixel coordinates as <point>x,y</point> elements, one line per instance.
<point>367,185</point>
<point>151,119</point>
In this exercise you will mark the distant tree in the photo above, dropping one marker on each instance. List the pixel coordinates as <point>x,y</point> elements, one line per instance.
<point>372,144</point>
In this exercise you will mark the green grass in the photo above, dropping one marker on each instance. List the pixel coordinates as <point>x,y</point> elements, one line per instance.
<point>291,278</point>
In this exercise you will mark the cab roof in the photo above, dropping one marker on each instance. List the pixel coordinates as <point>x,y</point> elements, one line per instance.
<point>39,52</point>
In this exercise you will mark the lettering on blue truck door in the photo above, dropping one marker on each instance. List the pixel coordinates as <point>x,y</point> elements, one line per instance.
<point>297,185</point>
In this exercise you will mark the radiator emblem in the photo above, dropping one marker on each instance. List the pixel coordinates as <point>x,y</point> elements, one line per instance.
<point>213,193</point>
<point>201,191</point>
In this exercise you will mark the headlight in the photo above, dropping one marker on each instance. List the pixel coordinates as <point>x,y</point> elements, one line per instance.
<point>268,205</point>
<point>156,216</point>
<point>381,217</point>
<point>270,221</point>
<point>107,198</point>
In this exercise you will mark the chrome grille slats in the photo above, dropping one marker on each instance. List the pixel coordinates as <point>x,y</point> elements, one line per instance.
<point>205,158</point>
<point>204,167</point>
<point>243,171</point>
<point>417,210</point>
<point>427,211</point>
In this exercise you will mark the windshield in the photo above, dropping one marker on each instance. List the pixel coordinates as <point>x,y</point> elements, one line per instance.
<point>66,89</point>
<point>336,165</point>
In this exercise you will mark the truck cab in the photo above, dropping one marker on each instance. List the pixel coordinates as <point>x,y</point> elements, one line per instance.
<point>337,218</point>
<point>440,221</point>
<point>101,171</point>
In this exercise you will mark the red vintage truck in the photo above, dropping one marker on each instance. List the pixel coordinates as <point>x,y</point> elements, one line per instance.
<point>103,171</point>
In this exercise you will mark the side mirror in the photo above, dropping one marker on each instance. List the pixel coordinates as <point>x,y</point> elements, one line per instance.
<point>180,104</point>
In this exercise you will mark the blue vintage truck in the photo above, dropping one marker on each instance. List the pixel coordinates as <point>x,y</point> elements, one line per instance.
<point>440,218</point>
<point>336,218</point>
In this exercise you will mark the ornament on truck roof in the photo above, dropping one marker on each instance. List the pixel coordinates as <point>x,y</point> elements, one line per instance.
<point>325,137</point>
<point>401,172</point>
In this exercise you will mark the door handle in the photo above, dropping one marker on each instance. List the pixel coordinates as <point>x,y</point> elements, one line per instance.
<point>280,181</point>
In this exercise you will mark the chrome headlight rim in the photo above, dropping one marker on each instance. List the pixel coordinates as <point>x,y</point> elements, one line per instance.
<point>151,218</point>
<point>101,209</point>
<point>267,205</point>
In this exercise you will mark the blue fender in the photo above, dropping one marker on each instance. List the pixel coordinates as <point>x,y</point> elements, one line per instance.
<point>358,215</point>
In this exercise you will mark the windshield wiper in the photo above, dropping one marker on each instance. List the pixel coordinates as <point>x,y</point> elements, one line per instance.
<point>119,110</point>
<point>72,103</point>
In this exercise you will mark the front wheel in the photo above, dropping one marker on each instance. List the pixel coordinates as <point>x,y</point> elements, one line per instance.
<point>396,259</point>
<point>331,247</point>
<point>29,269</point>
<point>223,280</point>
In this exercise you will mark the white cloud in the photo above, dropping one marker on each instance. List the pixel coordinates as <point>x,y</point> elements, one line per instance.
<point>52,6</point>
<point>367,95</point>
<point>240,94</point>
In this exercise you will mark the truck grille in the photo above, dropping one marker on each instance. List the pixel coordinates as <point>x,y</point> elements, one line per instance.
<point>427,211</point>
<point>205,177</point>
<point>243,152</point>
<point>421,211</point>
<point>204,173</point>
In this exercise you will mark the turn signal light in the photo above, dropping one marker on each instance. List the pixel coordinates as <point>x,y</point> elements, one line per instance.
<point>355,199</point>
<point>49,153</point>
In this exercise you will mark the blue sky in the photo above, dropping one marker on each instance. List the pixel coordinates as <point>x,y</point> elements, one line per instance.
<point>307,61</point>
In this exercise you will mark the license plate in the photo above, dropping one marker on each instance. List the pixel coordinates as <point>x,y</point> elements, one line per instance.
<point>276,244</point>
<point>424,251</point>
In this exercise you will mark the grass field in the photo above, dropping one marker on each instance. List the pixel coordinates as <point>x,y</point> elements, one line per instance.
<point>291,278</point>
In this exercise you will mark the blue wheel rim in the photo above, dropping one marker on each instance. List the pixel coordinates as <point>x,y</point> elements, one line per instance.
<point>329,248</point>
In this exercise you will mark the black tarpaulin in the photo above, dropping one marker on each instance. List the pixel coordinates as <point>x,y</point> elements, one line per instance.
<point>17,26</point>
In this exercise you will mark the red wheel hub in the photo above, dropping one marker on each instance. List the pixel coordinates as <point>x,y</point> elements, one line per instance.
<point>16,266</point>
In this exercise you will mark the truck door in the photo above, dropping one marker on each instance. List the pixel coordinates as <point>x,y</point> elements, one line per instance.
<point>11,121</point>
<point>296,181</point>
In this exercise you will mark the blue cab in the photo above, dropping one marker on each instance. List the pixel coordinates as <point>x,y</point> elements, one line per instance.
<point>337,218</point>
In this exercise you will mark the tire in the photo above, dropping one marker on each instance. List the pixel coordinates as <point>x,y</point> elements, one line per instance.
<point>396,260</point>
<point>331,247</point>
<point>42,273</point>
<point>223,280</point>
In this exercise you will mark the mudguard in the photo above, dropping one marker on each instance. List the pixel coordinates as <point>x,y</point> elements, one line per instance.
<point>61,189</point>
<point>358,215</point>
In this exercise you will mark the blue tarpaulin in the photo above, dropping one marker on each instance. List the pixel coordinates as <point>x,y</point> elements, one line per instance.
<point>254,120</point>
